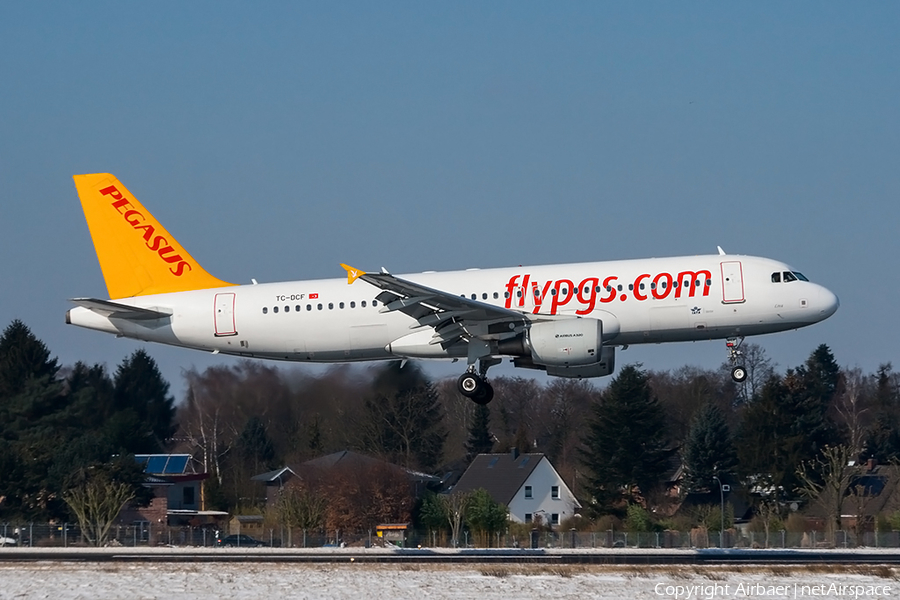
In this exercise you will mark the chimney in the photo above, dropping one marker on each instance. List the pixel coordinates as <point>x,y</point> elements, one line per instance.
<point>870,464</point>
<point>514,452</point>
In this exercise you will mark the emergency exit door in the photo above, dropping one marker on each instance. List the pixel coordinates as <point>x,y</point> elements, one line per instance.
<point>225,325</point>
<point>732,282</point>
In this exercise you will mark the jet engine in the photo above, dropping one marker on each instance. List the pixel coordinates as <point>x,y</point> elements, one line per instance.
<point>563,347</point>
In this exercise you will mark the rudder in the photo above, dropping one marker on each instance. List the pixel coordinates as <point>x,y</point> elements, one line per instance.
<point>137,255</point>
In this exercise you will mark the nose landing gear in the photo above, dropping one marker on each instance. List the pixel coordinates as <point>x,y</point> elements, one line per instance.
<point>738,371</point>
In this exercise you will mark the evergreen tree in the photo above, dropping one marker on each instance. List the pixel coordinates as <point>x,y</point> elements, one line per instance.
<point>23,357</point>
<point>883,441</point>
<point>708,451</point>
<point>403,418</point>
<point>255,446</point>
<point>788,423</point>
<point>145,411</point>
<point>480,439</point>
<point>626,448</point>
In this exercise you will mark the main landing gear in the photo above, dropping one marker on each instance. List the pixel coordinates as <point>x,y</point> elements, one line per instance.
<point>474,385</point>
<point>738,371</point>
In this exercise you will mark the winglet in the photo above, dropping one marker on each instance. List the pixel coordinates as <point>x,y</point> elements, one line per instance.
<point>721,252</point>
<point>352,274</point>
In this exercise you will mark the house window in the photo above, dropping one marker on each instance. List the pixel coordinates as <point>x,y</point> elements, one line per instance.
<point>187,496</point>
<point>528,517</point>
<point>554,491</point>
<point>528,491</point>
<point>554,519</point>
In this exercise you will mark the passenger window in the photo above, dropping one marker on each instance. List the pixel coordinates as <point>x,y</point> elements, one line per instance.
<point>309,307</point>
<point>484,296</point>
<point>553,292</point>
<point>275,309</point>
<point>297,308</point>
<point>374,302</point>
<point>287,309</point>
<point>652,286</point>
<point>474,296</point>
<point>353,305</point>
<point>319,306</point>
<point>265,310</point>
<point>506,294</point>
<point>619,287</point>
<point>331,306</point>
<point>363,303</point>
<point>341,305</point>
<point>496,295</point>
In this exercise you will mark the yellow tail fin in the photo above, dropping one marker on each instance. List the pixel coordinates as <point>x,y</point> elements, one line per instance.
<point>137,255</point>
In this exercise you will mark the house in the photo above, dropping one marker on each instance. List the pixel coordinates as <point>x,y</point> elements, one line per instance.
<point>346,462</point>
<point>526,483</point>
<point>873,490</point>
<point>177,498</point>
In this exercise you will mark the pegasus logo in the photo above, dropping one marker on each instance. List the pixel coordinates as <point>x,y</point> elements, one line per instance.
<point>155,243</point>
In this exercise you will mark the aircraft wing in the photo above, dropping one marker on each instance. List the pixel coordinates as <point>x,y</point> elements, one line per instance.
<point>452,317</point>
<point>119,311</point>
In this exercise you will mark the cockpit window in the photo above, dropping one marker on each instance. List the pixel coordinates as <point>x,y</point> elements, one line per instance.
<point>776,277</point>
<point>788,276</point>
<point>800,275</point>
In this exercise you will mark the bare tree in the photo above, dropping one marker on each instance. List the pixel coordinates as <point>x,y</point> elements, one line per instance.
<point>456,505</point>
<point>302,507</point>
<point>97,503</point>
<point>826,479</point>
<point>852,412</point>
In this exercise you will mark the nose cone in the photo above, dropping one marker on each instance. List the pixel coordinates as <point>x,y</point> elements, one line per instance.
<point>827,304</point>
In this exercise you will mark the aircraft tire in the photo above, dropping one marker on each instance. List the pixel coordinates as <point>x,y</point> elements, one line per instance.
<point>485,394</point>
<point>469,384</point>
<point>739,374</point>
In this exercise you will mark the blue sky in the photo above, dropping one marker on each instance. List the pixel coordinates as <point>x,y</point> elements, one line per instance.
<point>277,140</point>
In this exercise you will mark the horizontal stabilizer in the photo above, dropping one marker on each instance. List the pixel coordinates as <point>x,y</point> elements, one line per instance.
<point>119,311</point>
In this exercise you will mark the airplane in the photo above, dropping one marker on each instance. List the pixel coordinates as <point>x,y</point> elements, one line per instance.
<point>564,319</point>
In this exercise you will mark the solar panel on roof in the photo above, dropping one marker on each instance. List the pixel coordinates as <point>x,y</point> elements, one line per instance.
<point>156,464</point>
<point>177,464</point>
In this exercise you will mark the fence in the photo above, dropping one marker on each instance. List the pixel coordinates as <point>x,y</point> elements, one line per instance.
<point>147,534</point>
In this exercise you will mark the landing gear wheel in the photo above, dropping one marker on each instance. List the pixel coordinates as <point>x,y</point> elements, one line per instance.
<point>485,394</point>
<point>469,384</point>
<point>474,387</point>
<point>739,374</point>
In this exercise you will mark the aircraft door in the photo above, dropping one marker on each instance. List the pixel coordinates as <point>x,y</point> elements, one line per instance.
<point>225,324</point>
<point>732,282</point>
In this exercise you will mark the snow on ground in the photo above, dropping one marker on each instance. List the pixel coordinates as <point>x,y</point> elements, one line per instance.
<point>357,581</point>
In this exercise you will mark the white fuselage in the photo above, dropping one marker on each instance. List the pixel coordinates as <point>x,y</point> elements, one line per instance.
<point>639,301</point>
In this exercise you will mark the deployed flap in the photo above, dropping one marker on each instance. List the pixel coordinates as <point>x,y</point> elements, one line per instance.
<point>119,311</point>
<point>452,317</point>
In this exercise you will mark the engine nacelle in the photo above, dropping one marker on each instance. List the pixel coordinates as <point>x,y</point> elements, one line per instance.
<point>565,342</point>
<point>604,367</point>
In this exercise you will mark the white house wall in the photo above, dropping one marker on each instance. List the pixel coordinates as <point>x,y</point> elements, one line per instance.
<point>541,480</point>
